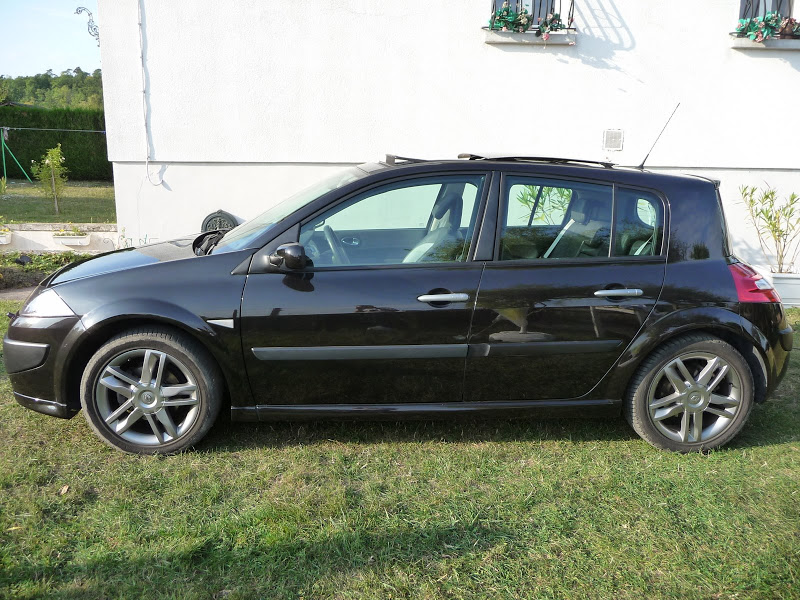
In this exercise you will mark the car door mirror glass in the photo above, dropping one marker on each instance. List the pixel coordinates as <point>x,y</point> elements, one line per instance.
<point>292,256</point>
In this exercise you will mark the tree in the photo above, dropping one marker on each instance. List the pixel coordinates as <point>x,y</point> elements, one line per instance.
<point>73,88</point>
<point>5,90</point>
<point>51,174</point>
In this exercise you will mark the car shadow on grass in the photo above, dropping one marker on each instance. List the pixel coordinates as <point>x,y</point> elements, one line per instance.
<point>775,422</point>
<point>233,436</point>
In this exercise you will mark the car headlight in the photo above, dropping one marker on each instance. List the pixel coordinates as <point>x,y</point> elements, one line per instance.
<point>47,304</point>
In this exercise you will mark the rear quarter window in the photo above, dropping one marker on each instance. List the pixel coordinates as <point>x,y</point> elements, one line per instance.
<point>639,223</point>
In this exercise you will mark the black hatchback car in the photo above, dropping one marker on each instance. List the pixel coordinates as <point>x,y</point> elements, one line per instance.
<point>504,287</point>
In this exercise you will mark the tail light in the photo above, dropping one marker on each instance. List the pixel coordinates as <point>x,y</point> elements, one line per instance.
<point>751,286</point>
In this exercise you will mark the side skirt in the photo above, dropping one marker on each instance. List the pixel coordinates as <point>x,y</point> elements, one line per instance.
<point>392,412</point>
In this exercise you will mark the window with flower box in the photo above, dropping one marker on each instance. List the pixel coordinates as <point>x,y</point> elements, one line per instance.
<point>762,23</point>
<point>531,21</point>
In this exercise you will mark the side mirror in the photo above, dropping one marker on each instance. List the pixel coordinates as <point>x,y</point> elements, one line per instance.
<point>292,255</point>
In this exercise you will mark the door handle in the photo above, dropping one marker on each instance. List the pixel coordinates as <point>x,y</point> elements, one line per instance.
<point>443,297</point>
<point>619,292</point>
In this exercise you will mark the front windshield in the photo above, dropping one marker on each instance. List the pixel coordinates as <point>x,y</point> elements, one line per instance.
<point>246,233</point>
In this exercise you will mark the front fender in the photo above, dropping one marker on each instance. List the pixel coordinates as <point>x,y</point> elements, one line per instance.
<point>160,310</point>
<point>105,321</point>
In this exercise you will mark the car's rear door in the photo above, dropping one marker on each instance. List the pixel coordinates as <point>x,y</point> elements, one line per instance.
<point>387,326</point>
<point>557,307</point>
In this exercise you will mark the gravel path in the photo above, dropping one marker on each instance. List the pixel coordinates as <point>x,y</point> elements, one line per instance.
<point>16,294</point>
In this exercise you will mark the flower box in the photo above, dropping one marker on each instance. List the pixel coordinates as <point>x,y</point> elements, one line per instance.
<point>743,43</point>
<point>788,287</point>
<point>565,37</point>
<point>73,240</point>
<point>5,237</point>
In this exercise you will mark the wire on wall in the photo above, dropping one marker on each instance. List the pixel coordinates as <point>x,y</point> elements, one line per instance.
<point>48,129</point>
<point>147,137</point>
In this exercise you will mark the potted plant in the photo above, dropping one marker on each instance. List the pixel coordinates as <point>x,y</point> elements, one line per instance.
<point>72,236</point>
<point>777,223</point>
<point>769,26</point>
<point>506,19</point>
<point>551,23</point>
<point>790,29</point>
<point>759,29</point>
<point>5,232</point>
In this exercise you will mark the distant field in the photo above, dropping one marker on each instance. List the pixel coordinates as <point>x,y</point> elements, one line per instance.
<point>83,202</point>
<point>462,509</point>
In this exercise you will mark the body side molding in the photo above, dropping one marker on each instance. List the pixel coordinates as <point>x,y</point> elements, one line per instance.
<point>361,352</point>
<point>440,410</point>
<point>539,348</point>
<point>430,350</point>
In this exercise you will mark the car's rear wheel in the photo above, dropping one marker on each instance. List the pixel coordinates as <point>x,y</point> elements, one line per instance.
<point>694,393</point>
<point>151,391</point>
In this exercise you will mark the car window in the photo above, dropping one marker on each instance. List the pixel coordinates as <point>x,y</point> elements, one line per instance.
<point>555,219</point>
<point>402,208</point>
<point>416,221</point>
<point>551,204</point>
<point>639,223</point>
<point>249,231</point>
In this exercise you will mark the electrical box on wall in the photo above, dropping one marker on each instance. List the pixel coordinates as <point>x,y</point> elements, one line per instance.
<point>612,139</point>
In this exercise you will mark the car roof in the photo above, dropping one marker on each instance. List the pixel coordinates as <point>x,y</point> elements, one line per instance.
<point>557,166</point>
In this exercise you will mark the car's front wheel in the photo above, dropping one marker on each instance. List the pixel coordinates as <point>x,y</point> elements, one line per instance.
<point>151,390</point>
<point>694,393</point>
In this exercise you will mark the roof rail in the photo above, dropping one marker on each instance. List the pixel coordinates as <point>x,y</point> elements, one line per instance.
<point>546,159</point>
<point>392,159</point>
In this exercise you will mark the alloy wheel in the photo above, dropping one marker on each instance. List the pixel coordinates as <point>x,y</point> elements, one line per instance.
<point>147,397</point>
<point>694,397</point>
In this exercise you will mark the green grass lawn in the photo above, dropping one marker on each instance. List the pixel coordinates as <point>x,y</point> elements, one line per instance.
<point>83,202</point>
<point>495,509</point>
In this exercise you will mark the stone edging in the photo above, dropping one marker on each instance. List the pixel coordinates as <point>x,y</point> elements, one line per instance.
<point>86,227</point>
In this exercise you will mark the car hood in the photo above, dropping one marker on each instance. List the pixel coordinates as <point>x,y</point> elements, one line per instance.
<point>127,258</point>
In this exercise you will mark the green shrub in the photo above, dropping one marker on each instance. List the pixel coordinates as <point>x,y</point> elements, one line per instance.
<point>87,152</point>
<point>777,223</point>
<point>46,262</point>
<point>51,173</point>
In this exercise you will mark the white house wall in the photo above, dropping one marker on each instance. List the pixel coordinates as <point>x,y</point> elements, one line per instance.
<point>250,99</point>
<point>148,213</point>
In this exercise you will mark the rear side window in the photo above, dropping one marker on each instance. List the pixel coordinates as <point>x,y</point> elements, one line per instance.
<point>555,219</point>
<point>639,223</point>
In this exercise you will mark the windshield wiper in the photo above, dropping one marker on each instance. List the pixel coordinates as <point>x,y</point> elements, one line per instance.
<point>210,240</point>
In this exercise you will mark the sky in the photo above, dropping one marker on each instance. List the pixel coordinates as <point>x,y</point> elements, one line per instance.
<point>36,35</point>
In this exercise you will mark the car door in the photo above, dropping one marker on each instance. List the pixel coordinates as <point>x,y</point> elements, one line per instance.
<point>578,267</point>
<point>381,315</point>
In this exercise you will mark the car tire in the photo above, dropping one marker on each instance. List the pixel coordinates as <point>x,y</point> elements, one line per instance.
<point>151,390</point>
<point>692,394</point>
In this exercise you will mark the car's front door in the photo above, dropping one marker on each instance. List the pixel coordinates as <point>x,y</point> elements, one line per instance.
<point>577,269</point>
<point>382,314</point>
